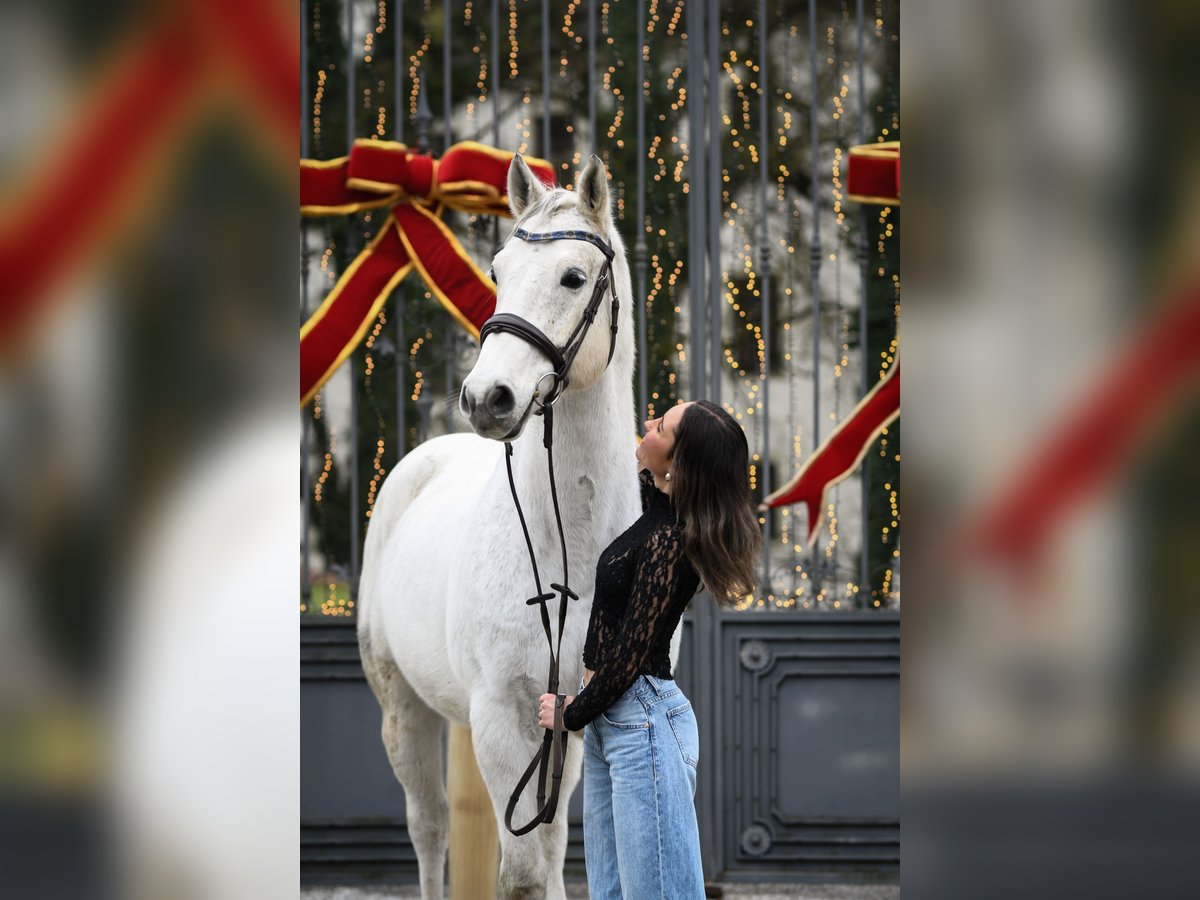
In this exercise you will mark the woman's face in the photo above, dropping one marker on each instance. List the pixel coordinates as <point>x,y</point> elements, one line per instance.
<point>654,453</point>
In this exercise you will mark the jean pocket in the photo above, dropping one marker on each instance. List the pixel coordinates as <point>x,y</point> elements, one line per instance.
<point>626,713</point>
<point>687,734</point>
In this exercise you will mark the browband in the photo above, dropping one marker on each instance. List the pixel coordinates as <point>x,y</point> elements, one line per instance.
<point>588,236</point>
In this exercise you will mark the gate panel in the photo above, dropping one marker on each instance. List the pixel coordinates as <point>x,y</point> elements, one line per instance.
<point>810,757</point>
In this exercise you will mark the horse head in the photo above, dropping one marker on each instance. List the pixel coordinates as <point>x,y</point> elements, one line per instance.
<point>555,270</point>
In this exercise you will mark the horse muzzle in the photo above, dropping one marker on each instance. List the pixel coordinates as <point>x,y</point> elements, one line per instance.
<point>493,411</point>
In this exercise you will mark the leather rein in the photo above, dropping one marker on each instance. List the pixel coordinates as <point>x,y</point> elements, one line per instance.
<point>553,752</point>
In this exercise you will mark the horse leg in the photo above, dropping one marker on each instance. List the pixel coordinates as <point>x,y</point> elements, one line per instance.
<point>412,735</point>
<point>505,743</point>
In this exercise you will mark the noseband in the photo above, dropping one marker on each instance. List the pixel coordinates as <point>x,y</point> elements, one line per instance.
<point>553,752</point>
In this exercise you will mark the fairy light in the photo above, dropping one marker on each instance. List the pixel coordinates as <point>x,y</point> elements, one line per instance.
<point>377,475</point>
<point>481,73</point>
<point>619,102</point>
<point>326,468</point>
<point>832,521</point>
<point>523,125</point>
<point>326,260</point>
<point>651,16</point>
<point>415,75</point>
<point>888,356</point>
<point>318,98</point>
<point>418,375</point>
<point>335,605</point>
<point>513,48</point>
<point>567,30</point>
<point>674,23</point>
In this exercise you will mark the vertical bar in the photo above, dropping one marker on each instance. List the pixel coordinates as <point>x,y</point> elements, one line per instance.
<point>639,242</point>
<point>864,575</point>
<point>764,280</point>
<point>451,358</point>
<point>815,254</point>
<point>398,56</point>
<point>304,129</point>
<point>402,288</point>
<point>447,112</point>
<point>495,106</point>
<point>306,411</point>
<point>351,106</point>
<point>713,846</point>
<point>716,284</point>
<point>496,74</point>
<point>591,51</point>
<point>352,361</point>
<point>697,255</point>
<point>699,388</point>
<point>546,79</point>
<point>447,109</point>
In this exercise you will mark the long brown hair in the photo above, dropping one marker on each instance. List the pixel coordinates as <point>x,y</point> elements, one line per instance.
<point>711,492</point>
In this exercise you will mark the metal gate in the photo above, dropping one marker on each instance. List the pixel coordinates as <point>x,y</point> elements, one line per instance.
<point>726,128</point>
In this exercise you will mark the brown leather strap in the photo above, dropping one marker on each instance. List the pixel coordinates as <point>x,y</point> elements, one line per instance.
<point>554,744</point>
<point>554,748</point>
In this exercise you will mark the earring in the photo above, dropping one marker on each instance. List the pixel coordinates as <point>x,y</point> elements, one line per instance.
<point>667,476</point>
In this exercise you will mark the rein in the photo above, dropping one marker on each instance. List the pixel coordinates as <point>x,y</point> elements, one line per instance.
<point>553,753</point>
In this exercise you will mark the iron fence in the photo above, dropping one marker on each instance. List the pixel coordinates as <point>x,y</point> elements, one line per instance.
<point>726,135</point>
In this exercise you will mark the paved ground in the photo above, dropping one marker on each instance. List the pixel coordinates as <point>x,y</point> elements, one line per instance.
<point>577,890</point>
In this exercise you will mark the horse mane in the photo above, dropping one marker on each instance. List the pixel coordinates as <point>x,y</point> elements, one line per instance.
<point>548,206</point>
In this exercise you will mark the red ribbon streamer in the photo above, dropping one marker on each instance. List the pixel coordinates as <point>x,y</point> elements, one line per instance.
<point>153,90</point>
<point>469,177</point>
<point>842,451</point>
<point>1154,372</point>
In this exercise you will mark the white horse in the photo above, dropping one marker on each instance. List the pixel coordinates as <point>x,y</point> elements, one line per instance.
<point>443,626</point>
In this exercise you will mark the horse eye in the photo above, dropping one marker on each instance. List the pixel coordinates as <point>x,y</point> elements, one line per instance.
<point>492,275</point>
<point>573,279</point>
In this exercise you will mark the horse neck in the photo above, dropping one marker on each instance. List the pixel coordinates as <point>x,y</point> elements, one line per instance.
<point>592,438</point>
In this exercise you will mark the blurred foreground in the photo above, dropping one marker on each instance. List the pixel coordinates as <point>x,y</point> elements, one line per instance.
<point>1051,679</point>
<point>149,710</point>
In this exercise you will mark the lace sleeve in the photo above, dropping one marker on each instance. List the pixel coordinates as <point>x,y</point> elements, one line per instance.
<point>647,617</point>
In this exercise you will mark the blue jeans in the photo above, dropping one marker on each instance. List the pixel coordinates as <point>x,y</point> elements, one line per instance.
<point>640,836</point>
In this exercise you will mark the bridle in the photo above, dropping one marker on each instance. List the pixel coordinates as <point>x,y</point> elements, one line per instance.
<point>523,328</point>
<point>553,752</point>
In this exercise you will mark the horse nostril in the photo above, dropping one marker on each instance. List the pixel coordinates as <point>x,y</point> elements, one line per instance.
<point>466,402</point>
<point>500,401</point>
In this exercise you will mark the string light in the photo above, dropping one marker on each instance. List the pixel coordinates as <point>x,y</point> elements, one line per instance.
<point>747,144</point>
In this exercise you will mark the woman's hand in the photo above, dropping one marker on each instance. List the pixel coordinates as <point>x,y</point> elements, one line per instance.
<point>546,709</point>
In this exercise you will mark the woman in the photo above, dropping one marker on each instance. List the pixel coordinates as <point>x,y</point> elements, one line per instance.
<point>641,745</point>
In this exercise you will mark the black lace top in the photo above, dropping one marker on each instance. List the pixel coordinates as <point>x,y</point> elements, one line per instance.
<point>643,584</point>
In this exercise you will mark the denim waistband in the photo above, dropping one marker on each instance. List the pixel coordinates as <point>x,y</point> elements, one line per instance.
<point>650,689</point>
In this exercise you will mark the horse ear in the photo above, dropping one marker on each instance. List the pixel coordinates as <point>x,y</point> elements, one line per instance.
<point>524,188</point>
<point>593,192</point>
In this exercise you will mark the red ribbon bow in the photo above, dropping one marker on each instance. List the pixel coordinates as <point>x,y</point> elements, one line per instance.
<point>468,177</point>
<point>873,173</point>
